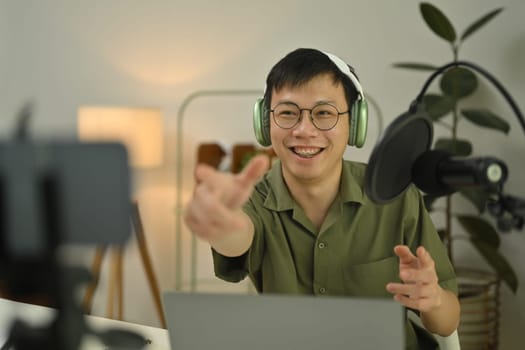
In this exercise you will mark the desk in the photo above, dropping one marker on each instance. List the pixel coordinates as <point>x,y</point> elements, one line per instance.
<point>39,315</point>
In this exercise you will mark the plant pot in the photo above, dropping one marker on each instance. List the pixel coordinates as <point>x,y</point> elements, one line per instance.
<point>479,296</point>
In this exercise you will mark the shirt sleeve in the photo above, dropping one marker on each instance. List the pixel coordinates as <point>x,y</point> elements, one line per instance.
<point>229,269</point>
<point>235,269</point>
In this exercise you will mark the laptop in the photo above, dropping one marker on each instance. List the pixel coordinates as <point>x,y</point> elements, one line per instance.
<point>201,321</point>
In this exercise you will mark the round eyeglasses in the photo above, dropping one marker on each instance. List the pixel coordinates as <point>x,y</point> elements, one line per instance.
<point>324,116</point>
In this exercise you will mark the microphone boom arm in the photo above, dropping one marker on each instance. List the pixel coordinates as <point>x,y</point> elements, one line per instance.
<point>509,212</point>
<point>483,72</point>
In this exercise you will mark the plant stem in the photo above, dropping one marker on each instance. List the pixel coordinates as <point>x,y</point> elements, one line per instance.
<point>443,124</point>
<point>448,227</point>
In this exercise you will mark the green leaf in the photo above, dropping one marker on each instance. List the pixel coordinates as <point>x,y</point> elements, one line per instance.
<point>438,22</point>
<point>458,82</point>
<point>480,229</point>
<point>437,106</point>
<point>498,262</point>
<point>480,23</point>
<point>416,66</point>
<point>478,197</point>
<point>457,147</point>
<point>486,119</point>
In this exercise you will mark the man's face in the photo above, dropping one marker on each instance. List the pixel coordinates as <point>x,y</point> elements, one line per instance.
<point>308,154</point>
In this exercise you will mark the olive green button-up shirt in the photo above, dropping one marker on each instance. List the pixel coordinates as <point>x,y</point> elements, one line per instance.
<point>351,254</point>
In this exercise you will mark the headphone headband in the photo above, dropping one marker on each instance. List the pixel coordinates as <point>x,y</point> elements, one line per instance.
<point>343,67</point>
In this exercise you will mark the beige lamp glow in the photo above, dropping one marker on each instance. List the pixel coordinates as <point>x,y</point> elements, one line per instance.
<point>139,129</point>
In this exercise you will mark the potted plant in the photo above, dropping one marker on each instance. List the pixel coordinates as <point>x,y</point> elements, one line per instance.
<point>445,110</point>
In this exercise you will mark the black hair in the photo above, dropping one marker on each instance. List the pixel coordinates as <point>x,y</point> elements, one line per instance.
<point>302,65</point>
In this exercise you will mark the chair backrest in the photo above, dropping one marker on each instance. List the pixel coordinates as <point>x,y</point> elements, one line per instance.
<point>450,342</point>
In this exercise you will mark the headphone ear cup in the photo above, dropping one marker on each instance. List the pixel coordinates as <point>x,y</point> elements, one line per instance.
<point>358,123</point>
<point>261,123</point>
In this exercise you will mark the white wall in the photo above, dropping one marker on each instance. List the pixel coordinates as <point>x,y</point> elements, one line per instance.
<point>65,54</point>
<point>3,57</point>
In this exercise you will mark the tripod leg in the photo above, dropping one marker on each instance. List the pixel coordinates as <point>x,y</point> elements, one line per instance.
<point>119,257</point>
<point>114,284</point>
<point>146,261</point>
<point>87,303</point>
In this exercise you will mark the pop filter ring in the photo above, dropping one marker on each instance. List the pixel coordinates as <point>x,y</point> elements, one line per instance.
<point>397,138</point>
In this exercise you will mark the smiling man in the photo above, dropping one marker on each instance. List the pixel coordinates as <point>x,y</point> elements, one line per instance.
<point>307,226</point>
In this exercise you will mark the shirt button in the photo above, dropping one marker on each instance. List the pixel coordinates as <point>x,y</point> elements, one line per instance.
<point>322,290</point>
<point>321,245</point>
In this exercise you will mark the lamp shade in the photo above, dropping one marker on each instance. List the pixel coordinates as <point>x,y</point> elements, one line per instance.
<point>139,129</point>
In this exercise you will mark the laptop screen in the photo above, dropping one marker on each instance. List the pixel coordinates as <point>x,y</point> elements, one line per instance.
<point>256,322</point>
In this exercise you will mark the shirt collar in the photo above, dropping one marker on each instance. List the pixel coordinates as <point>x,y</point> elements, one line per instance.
<point>352,182</point>
<point>280,199</point>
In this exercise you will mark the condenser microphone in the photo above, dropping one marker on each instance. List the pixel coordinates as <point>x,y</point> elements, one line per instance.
<point>438,173</point>
<point>402,156</point>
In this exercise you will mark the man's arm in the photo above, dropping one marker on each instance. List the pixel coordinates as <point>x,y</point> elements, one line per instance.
<point>237,242</point>
<point>420,290</point>
<point>215,211</point>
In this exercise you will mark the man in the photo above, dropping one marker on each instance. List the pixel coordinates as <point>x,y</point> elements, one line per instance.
<point>307,227</point>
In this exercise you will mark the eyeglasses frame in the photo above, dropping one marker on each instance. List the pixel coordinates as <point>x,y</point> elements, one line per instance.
<point>310,110</point>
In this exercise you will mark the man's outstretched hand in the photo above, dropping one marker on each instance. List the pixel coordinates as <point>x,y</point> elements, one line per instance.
<point>215,210</point>
<point>420,289</point>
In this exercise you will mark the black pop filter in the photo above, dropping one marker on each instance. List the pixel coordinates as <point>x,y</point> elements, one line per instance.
<point>389,171</point>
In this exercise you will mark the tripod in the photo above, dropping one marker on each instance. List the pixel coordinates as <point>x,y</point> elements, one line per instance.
<point>116,291</point>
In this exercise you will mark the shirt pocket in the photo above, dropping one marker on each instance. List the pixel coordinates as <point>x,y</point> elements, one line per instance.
<point>370,279</point>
